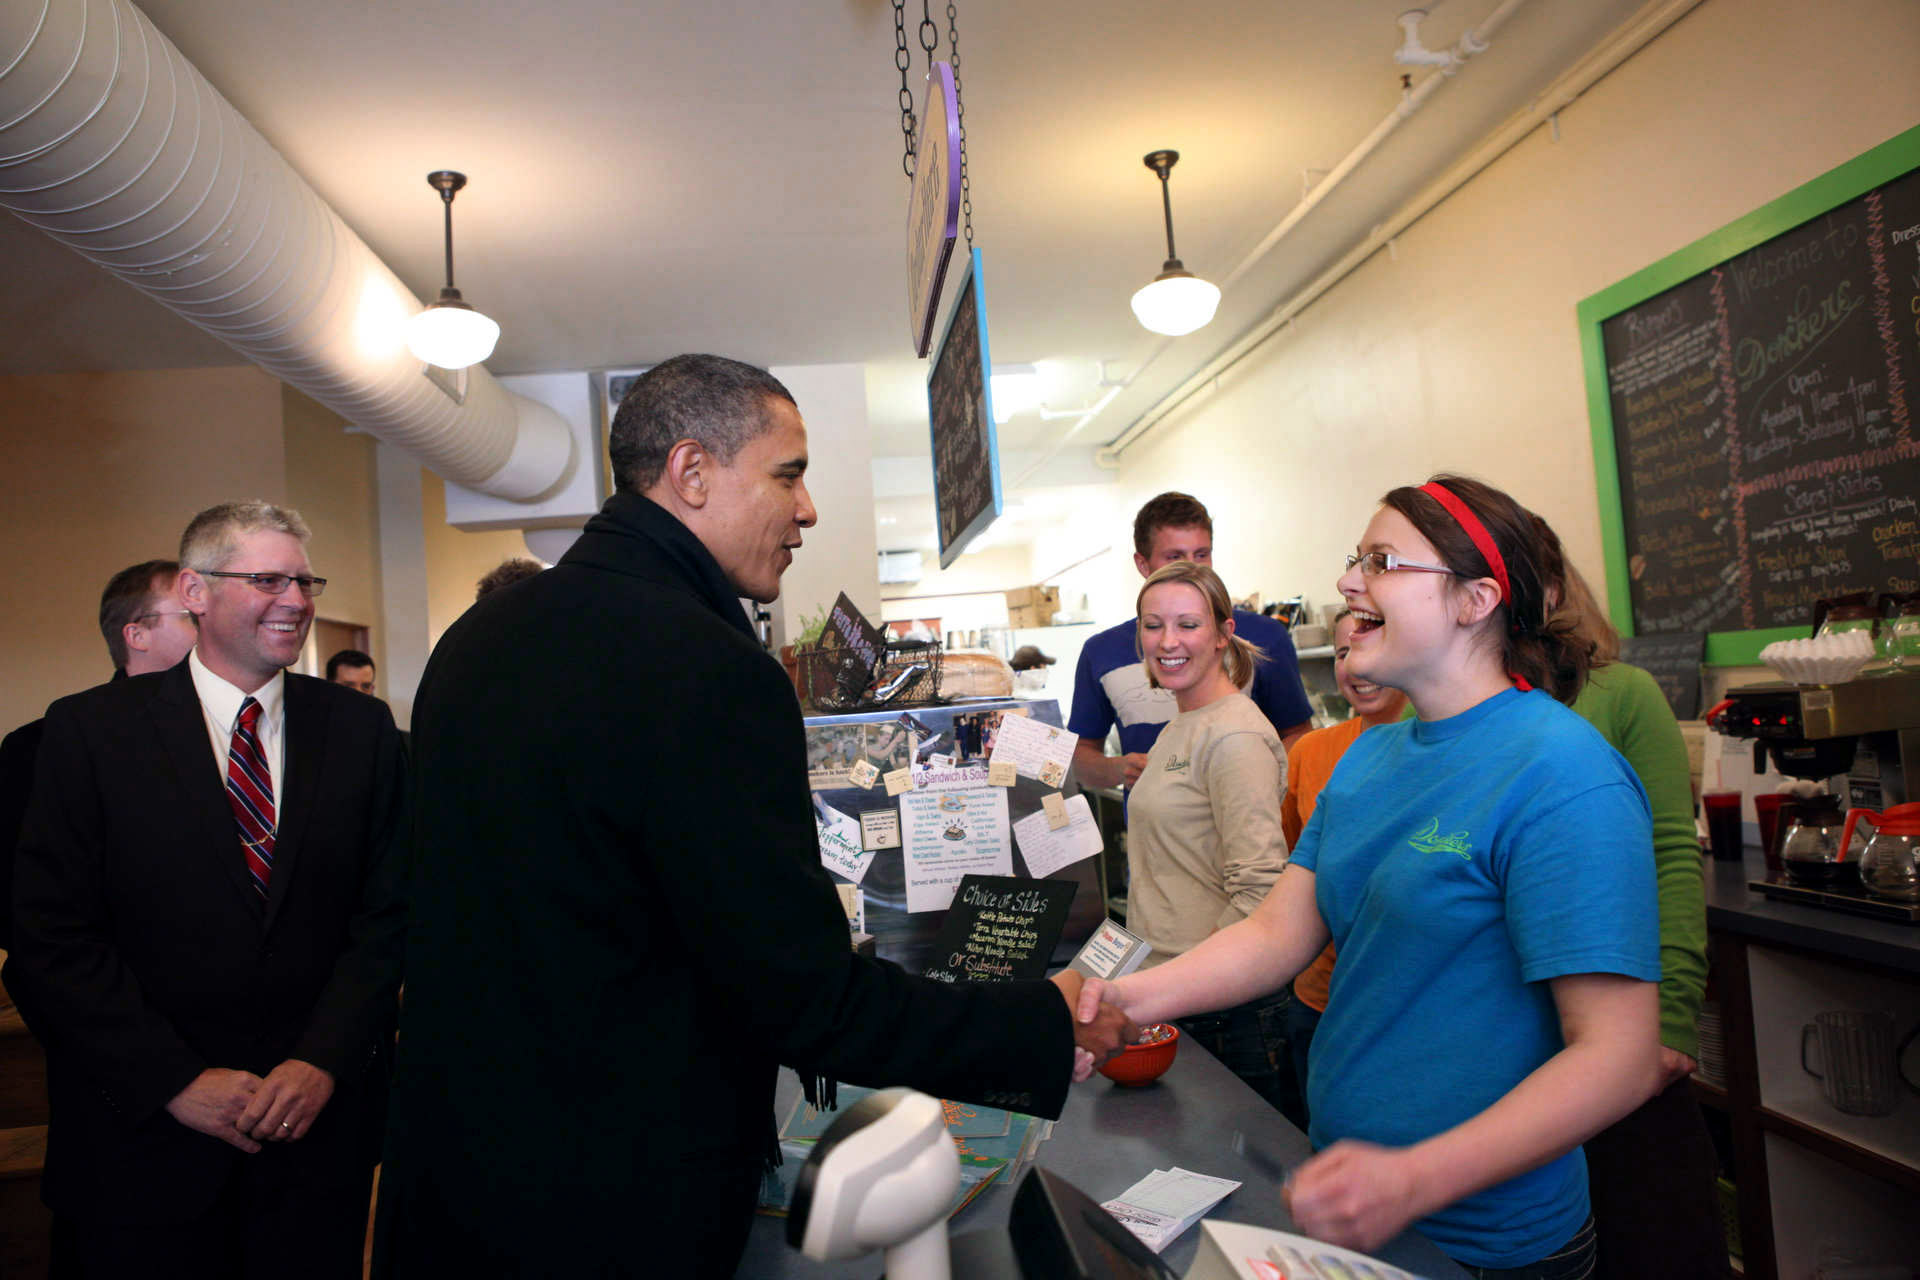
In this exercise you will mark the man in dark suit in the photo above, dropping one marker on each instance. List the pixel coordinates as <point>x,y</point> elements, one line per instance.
<point>146,629</point>
<point>207,937</point>
<point>621,926</point>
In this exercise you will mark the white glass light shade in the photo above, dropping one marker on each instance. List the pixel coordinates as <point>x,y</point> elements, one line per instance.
<point>452,337</point>
<point>1176,303</point>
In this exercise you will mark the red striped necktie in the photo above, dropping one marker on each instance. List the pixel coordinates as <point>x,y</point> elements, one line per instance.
<point>250,792</point>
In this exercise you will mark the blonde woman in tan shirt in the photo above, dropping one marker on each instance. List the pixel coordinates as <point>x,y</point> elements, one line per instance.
<point>1204,841</point>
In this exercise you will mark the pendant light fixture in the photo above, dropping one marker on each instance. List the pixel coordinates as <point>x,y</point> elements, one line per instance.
<point>450,333</point>
<point>1176,302</point>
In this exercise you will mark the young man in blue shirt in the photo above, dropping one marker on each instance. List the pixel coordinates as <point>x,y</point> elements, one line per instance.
<point>1110,684</point>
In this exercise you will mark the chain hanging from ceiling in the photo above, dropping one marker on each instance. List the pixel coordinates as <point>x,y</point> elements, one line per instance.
<point>929,34</point>
<point>960,113</point>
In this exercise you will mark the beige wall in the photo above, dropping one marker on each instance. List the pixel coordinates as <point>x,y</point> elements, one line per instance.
<point>456,559</point>
<point>330,480</point>
<point>1460,351</point>
<point>103,470</point>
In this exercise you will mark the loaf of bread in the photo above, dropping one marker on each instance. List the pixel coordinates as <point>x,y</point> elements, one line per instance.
<point>975,673</point>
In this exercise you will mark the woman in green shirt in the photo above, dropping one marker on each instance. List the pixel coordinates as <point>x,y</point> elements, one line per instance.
<point>1650,1174</point>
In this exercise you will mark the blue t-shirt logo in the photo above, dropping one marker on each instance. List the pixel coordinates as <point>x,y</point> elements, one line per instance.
<point>1429,840</point>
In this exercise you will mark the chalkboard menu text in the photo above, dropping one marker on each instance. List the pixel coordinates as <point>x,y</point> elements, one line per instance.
<point>1000,928</point>
<point>1752,410</point>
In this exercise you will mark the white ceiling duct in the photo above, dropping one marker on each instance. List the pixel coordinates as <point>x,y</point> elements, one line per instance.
<point>115,145</point>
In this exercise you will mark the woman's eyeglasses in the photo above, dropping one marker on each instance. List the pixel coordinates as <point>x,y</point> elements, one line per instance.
<point>274,584</point>
<point>1375,563</point>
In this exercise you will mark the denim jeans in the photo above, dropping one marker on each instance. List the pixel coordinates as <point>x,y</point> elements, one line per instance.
<point>1251,1039</point>
<point>1573,1260</point>
<point>1302,1021</point>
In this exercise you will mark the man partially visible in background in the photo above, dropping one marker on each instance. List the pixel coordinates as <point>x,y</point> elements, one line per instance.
<point>146,629</point>
<point>351,668</point>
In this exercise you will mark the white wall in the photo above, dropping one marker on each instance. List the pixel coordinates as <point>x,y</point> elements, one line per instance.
<point>966,597</point>
<point>841,552</point>
<point>1460,351</point>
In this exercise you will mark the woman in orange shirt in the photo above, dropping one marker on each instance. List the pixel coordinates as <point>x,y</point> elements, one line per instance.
<point>1309,764</point>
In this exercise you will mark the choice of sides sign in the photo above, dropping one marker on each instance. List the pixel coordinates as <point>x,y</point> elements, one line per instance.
<point>933,211</point>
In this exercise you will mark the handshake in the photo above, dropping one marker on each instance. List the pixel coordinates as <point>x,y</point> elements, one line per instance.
<point>1100,1029</point>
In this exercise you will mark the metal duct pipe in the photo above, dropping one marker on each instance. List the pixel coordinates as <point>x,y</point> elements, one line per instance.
<point>116,146</point>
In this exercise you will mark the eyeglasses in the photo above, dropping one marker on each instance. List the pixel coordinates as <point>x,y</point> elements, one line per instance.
<point>170,613</point>
<point>274,584</point>
<point>1375,563</point>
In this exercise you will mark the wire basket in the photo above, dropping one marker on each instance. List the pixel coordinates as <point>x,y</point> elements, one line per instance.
<point>830,677</point>
<point>909,675</point>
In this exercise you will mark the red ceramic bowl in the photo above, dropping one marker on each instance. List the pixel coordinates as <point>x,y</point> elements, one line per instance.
<point>1147,1061</point>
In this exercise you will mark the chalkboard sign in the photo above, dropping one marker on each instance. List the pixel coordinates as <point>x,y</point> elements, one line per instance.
<point>861,645</point>
<point>966,451</point>
<point>1673,660</point>
<point>1000,928</point>
<point>1751,409</point>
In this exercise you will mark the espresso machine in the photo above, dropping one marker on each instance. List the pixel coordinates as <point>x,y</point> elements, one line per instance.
<point>1862,738</point>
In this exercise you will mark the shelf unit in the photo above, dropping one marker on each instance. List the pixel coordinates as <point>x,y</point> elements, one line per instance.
<point>1817,1186</point>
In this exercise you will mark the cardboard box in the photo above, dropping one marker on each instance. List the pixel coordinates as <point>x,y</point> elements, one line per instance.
<point>1032,606</point>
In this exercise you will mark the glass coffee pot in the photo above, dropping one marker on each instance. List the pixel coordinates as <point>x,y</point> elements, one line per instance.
<point>1900,629</point>
<point>1890,861</point>
<point>1855,611</point>
<point>1811,848</point>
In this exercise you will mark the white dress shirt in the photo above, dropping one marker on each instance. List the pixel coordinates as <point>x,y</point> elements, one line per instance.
<point>220,707</point>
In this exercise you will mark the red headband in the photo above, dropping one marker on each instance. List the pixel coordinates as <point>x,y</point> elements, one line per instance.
<point>1463,515</point>
<point>1469,522</point>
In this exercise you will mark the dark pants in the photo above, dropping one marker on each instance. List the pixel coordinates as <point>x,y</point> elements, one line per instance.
<point>263,1227</point>
<point>1251,1039</point>
<point>1651,1176</point>
<point>1571,1261</point>
<point>1302,1021</point>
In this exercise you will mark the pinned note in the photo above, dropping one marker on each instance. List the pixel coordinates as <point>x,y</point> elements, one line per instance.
<point>864,774</point>
<point>1054,805</point>
<point>1031,745</point>
<point>840,850</point>
<point>1047,848</point>
<point>880,829</point>
<point>898,781</point>
<point>949,834</point>
<point>1001,773</point>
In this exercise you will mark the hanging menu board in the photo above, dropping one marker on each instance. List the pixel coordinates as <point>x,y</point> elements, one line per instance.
<point>966,455</point>
<point>1751,403</point>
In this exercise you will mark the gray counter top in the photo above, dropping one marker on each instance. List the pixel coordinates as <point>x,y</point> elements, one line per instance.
<point>1199,1116</point>
<point>1734,908</point>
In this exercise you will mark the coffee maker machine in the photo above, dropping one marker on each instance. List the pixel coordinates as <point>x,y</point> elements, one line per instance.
<point>1865,732</point>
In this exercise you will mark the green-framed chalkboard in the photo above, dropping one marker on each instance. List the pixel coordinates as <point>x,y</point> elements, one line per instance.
<point>1750,401</point>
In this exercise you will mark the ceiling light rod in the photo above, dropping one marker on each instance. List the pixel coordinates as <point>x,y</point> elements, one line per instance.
<point>446,182</point>
<point>1161,162</point>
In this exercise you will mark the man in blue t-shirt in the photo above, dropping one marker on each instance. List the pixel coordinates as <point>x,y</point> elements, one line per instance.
<point>1111,684</point>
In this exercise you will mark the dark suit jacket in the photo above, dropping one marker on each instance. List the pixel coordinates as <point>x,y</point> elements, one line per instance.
<point>142,954</point>
<point>17,752</point>
<point>621,927</point>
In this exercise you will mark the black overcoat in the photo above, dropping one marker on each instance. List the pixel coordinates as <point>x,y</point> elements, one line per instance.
<point>622,928</point>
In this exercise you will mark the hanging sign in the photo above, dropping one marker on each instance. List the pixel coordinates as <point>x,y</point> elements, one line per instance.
<point>966,450</point>
<point>933,211</point>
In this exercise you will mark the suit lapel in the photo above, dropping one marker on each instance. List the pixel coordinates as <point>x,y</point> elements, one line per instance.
<point>181,728</point>
<point>309,719</point>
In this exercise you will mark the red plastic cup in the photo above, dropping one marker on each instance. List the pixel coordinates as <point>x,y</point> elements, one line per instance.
<point>1767,809</point>
<point>1723,824</point>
